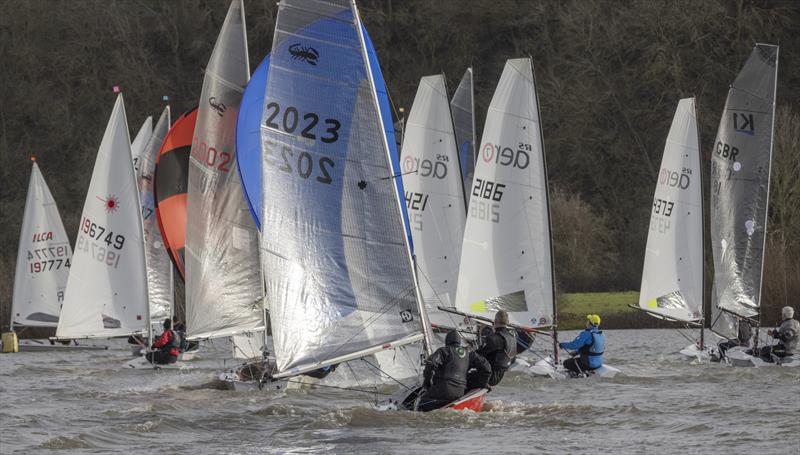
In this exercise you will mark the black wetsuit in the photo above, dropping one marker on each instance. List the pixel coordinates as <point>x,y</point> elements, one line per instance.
<point>500,349</point>
<point>446,375</point>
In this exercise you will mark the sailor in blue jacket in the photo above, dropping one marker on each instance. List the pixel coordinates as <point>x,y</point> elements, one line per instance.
<point>590,345</point>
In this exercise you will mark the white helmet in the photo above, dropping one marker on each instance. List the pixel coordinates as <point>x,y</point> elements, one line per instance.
<point>787,312</point>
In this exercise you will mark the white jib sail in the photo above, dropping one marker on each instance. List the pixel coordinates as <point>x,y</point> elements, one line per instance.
<point>43,259</point>
<point>106,292</point>
<point>672,278</point>
<point>506,254</point>
<point>140,142</point>
<point>334,250</point>
<point>224,289</point>
<point>434,195</point>
<point>160,282</point>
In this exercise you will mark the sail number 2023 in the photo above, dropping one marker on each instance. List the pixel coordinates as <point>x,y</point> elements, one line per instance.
<point>289,121</point>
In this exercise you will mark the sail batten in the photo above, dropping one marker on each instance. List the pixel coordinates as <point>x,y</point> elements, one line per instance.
<point>338,272</point>
<point>506,252</point>
<point>223,276</point>
<point>740,172</point>
<point>672,276</point>
<point>43,259</point>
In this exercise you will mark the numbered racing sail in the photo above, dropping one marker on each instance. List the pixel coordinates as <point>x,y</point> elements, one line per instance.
<point>159,267</point>
<point>434,196</point>
<point>140,142</point>
<point>463,107</point>
<point>672,278</point>
<point>506,255</point>
<point>106,293</point>
<point>224,290</point>
<point>43,259</point>
<point>740,169</point>
<point>336,260</point>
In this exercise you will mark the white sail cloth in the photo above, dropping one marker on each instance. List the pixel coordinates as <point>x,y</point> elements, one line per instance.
<point>43,259</point>
<point>506,254</point>
<point>159,267</point>
<point>140,142</point>
<point>463,109</point>
<point>106,293</point>
<point>672,277</point>
<point>335,255</point>
<point>740,168</point>
<point>224,291</point>
<point>434,197</point>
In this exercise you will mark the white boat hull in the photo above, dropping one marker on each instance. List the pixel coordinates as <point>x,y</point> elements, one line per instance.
<point>547,368</point>
<point>141,363</point>
<point>739,358</point>
<point>693,352</point>
<point>233,382</point>
<point>41,346</point>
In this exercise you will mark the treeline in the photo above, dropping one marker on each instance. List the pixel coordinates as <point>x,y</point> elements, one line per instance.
<point>609,77</point>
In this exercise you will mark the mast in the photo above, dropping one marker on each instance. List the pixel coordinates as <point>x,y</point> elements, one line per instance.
<point>549,224</point>
<point>704,302</point>
<point>420,303</point>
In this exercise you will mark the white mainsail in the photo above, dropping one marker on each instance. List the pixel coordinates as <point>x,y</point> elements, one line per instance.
<point>140,142</point>
<point>335,255</point>
<point>740,169</point>
<point>159,267</point>
<point>672,278</point>
<point>506,258</point>
<point>106,293</point>
<point>43,259</point>
<point>224,290</point>
<point>463,108</point>
<point>434,196</point>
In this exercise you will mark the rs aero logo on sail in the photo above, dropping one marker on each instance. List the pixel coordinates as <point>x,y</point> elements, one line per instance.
<point>304,53</point>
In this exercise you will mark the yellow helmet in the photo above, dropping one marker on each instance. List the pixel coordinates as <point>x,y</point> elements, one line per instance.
<point>593,318</point>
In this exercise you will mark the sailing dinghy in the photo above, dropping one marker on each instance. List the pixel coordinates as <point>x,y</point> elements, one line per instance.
<point>672,277</point>
<point>740,177</point>
<point>506,257</point>
<point>43,262</point>
<point>140,142</point>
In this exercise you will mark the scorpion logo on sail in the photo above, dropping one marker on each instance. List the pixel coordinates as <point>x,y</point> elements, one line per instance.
<point>218,107</point>
<point>306,54</point>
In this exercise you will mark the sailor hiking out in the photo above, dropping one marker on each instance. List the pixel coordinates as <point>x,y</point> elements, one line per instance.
<point>787,335</point>
<point>445,373</point>
<point>499,348</point>
<point>167,345</point>
<point>589,344</point>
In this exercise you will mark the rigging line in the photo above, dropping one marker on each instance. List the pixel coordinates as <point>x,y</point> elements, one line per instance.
<point>394,176</point>
<point>427,280</point>
<point>381,311</point>
<point>355,376</point>
<point>387,374</point>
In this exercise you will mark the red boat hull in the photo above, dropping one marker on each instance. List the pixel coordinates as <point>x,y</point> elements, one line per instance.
<point>473,401</point>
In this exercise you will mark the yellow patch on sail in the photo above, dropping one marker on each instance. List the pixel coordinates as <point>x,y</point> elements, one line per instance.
<point>478,307</point>
<point>652,304</point>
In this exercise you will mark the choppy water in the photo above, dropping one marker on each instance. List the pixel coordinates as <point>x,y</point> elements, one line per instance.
<point>85,402</point>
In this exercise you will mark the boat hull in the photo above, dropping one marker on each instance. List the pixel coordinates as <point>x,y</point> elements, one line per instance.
<point>472,401</point>
<point>141,363</point>
<point>547,368</point>
<point>27,346</point>
<point>737,357</point>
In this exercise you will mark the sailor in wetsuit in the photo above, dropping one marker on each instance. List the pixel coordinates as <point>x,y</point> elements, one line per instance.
<point>446,373</point>
<point>499,348</point>
<point>590,345</point>
<point>167,345</point>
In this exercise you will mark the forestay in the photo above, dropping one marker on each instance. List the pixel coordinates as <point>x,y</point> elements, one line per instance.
<point>506,254</point>
<point>463,108</point>
<point>43,259</point>
<point>224,291</point>
<point>336,260</point>
<point>672,278</point>
<point>106,293</point>
<point>434,196</point>
<point>159,267</point>
<point>140,142</point>
<point>740,168</point>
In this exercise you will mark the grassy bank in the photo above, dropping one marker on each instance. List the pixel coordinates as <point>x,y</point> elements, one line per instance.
<point>611,306</point>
